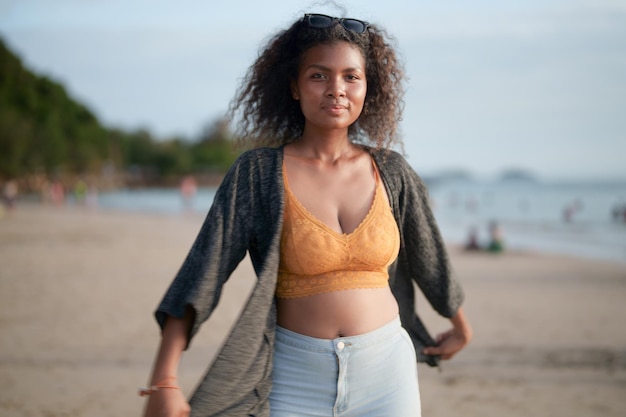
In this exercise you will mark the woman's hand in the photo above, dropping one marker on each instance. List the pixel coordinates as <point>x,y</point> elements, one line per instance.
<point>167,403</point>
<point>448,344</point>
<point>451,342</point>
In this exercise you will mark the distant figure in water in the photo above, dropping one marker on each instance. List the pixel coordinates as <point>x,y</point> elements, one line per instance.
<point>571,209</point>
<point>619,213</point>
<point>568,214</point>
<point>188,190</point>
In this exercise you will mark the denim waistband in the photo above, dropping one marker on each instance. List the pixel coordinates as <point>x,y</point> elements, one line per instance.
<point>360,341</point>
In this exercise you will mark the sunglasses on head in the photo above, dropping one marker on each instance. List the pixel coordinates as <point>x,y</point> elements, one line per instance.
<point>323,21</point>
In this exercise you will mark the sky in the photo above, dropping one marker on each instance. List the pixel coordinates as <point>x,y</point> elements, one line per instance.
<point>538,85</point>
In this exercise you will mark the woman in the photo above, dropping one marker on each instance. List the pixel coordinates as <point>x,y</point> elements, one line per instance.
<point>337,227</point>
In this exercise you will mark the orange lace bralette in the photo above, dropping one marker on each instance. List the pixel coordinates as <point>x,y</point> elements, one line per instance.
<point>315,259</point>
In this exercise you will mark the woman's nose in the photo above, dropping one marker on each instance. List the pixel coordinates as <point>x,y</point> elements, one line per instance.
<point>336,88</point>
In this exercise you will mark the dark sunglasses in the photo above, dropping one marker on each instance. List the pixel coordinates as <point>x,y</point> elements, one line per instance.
<point>323,21</point>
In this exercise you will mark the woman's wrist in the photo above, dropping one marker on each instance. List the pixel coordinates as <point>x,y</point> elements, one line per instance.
<point>168,382</point>
<point>461,325</point>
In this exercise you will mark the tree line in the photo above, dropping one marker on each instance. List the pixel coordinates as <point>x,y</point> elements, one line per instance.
<point>45,135</point>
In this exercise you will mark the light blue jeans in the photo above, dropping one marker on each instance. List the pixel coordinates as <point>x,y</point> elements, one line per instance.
<point>374,374</point>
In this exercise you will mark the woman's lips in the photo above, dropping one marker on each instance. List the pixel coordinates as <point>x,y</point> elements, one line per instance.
<point>335,109</point>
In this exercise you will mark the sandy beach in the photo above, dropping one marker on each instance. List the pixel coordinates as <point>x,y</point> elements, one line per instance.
<point>78,288</point>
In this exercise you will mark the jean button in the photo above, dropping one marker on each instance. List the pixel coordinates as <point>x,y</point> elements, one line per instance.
<point>341,345</point>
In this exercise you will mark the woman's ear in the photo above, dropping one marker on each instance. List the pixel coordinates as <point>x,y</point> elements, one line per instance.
<point>294,90</point>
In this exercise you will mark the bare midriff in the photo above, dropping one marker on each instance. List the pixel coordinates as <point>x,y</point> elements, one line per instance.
<point>339,313</point>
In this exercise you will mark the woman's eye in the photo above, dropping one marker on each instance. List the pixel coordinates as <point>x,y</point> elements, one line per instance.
<point>352,77</point>
<point>317,76</point>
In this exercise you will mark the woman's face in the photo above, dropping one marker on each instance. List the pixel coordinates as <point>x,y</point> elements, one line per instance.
<point>331,86</point>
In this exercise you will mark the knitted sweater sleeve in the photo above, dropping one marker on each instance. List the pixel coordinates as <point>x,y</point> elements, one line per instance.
<point>426,254</point>
<point>423,258</point>
<point>219,247</point>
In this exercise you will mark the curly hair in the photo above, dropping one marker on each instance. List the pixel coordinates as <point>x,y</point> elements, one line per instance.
<point>270,116</point>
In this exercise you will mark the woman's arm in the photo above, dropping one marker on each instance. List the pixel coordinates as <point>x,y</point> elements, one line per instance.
<point>170,402</point>
<point>451,342</point>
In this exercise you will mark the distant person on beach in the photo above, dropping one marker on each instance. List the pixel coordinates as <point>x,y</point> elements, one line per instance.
<point>9,194</point>
<point>472,240</point>
<point>91,199</point>
<point>80,191</point>
<point>188,190</point>
<point>496,239</point>
<point>57,193</point>
<point>338,228</point>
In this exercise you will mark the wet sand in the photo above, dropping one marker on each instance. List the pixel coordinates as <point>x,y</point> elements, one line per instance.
<point>78,288</point>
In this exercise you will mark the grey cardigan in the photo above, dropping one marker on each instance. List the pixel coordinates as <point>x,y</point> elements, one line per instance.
<point>246,217</point>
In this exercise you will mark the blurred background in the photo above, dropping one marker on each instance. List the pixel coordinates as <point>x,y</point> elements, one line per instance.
<point>514,110</point>
<point>113,140</point>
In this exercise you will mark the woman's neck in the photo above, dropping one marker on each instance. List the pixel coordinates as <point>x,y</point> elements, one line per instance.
<point>324,147</point>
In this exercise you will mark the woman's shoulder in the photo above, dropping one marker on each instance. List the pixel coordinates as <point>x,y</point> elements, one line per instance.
<point>389,159</point>
<point>254,169</point>
<point>257,157</point>
<point>259,154</point>
<point>396,168</point>
<point>254,165</point>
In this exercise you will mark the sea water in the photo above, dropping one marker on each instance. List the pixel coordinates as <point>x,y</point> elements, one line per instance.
<point>574,218</point>
<point>157,200</point>
<point>567,217</point>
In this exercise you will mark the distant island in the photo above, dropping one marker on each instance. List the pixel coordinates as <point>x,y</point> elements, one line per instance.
<point>462,175</point>
<point>517,174</point>
<point>448,175</point>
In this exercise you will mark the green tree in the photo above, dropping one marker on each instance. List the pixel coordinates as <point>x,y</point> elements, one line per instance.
<point>215,150</point>
<point>42,129</point>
